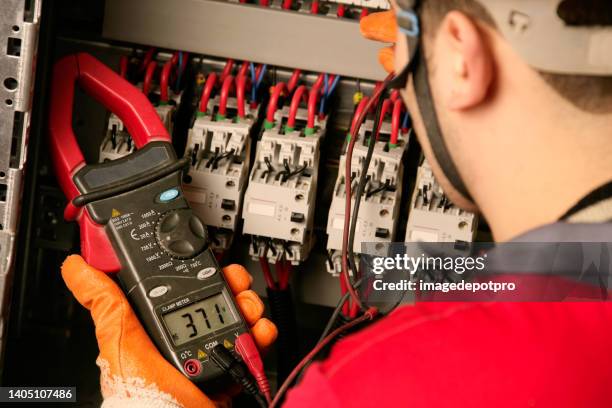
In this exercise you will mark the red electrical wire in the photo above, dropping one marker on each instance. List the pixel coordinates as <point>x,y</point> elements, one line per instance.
<point>164,82</point>
<point>146,84</point>
<point>284,283</point>
<point>147,60</point>
<point>300,95</point>
<point>258,72</point>
<point>123,66</point>
<point>226,88</point>
<point>383,112</point>
<point>313,99</point>
<point>359,111</point>
<point>211,81</point>
<point>319,82</point>
<point>244,68</point>
<point>341,10</point>
<point>395,95</point>
<point>368,315</point>
<point>360,116</point>
<point>280,274</point>
<point>314,7</point>
<point>265,269</point>
<point>279,90</point>
<point>396,120</point>
<point>229,65</point>
<point>293,81</point>
<point>287,4</point>
<point>242,83</point>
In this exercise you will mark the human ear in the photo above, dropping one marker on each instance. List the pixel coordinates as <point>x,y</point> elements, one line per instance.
<point>464,62</point>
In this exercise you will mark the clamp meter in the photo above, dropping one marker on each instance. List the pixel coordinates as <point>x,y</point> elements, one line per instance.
<point>135,221</point>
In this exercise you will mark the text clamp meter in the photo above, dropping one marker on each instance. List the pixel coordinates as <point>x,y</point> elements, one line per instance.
<point>134,220</point>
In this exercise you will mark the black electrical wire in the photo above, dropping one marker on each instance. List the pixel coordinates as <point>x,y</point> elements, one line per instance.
<point>361,186</point>
<point>384,187</point>
<point>226,361</point>
<point>331,323</point>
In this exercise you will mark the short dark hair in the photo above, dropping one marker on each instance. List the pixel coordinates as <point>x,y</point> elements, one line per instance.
<point>588,93</point>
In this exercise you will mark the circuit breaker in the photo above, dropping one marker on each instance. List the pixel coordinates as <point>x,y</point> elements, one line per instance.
<point>219,147</point>
<point>380,203</point>
<point>281,196</point>
<point>432,216</point>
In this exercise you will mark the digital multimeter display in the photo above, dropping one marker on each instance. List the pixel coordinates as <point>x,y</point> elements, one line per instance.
<point>199,319</point>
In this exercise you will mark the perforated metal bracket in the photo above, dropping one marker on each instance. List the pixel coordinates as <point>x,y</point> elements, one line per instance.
<point>19,24</point>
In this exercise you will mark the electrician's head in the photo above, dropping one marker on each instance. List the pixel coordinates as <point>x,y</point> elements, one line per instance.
<point>523,96</point>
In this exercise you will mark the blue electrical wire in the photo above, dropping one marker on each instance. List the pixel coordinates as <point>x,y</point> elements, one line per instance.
<point>256,81</point>
<point>328,91</point>
<point>253,81</point>
<point>325,94</point>
<point>263,72</point>
<point>180,70</point>
<point>333,86</point>
<point>405,120</point>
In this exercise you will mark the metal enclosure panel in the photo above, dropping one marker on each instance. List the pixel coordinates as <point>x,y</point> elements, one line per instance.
<point>19,39</point>
<point>246,32</point>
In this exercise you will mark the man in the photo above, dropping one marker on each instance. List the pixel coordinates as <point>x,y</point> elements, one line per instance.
<point>519,132</point>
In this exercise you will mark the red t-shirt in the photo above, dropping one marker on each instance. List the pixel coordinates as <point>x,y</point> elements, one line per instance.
<point>470,355</point>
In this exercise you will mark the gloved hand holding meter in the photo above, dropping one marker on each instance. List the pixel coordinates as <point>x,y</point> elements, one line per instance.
<point>135,222</point>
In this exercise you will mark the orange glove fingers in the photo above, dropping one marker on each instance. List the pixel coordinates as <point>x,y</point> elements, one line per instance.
<point>237,278</point>
<point>251,305</point>
<point>380,26</point>
<point>126,351</point>
<point>264,332</point>
<point>386,58</point>
<point>97,293</point>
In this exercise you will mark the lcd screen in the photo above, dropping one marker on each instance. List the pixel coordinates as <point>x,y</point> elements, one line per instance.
<point>199,319</point>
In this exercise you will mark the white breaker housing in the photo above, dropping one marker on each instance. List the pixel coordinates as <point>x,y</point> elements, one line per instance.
<point>117,141</point>
<point>378,213</point>
<point>282,211</point>
<point>220,157</point>
<point>432,217</point>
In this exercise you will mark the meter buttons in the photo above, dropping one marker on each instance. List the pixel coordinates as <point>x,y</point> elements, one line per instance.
<point>206,273</point>
<point>168,195</point>
<point>181,234</point>
<point>158,291</point>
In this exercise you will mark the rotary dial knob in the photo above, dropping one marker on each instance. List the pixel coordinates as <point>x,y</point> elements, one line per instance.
<point>181,234</point>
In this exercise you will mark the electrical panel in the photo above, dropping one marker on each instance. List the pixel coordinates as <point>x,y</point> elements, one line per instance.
<point>432,217</point>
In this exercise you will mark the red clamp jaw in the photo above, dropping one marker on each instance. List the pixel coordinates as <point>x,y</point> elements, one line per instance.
<point>121,98</point>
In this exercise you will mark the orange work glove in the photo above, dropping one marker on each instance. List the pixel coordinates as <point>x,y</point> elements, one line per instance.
<point>133,372</point>
<point>381,26</point>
